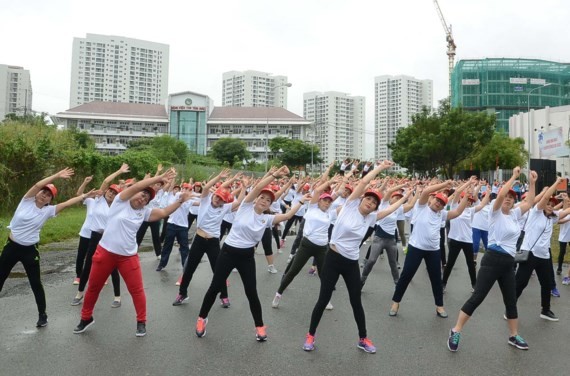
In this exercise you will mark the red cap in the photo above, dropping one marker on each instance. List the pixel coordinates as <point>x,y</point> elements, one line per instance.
<point>441,196</point>
<point>115,187</point>
<point>375,194</point>
<point>510,192</point>
<point>52,189</point>
<point>470,198</point>
<point>554,200</point>
<point>306,187</point>
<point>130,181</point>
<point>151,192</point>
<point>325,196</point>
<point>349,187</point>
<point>397,193</point>
<point>225,195</point>
<point>269,191</point>
<point>218,184</point>
<point>186,186</point>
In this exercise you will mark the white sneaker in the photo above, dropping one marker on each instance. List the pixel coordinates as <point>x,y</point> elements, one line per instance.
<point>276,300</point>
<point>289,259</point>
<point>271,269</point>
<point>158,258</point>
<point>329,306</point>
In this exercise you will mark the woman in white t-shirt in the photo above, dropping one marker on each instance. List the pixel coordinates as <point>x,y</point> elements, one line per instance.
<point>424,243</point>
<point>84,233</point>
<point>538,232</point>
<point>498,262</point>
<point>238,250</point>
<point>22,245</point>
<point>564,239</point>
<point>118,247</point>
<point>354,219</point>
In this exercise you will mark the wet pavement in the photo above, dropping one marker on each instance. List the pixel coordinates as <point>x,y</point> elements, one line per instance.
<point>413,343</point>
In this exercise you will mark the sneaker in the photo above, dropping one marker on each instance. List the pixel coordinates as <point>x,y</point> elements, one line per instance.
<point>76,301</point>
<point>366,345</point>
<point>83,325</point>
<point>329,306</point>
<point>179,300</point>
<point>453,340</point>
<point>201,327</point>
<point>141,329</point>
<point>116,304</point>
<point>312,271</point>
<point>42,320</point>
<point>558,272</point>
<point>518,342</point>
<point>309,344</point>
<point>159,268</point>
<point>276,300</point>
<point>554,292</point>
<point>158,257</point>
<point>279,251</point>
<point>260,333</point>
<point>271,269</point>
<point>282,243</point>
<point>76,281</point>
<point>225,302</point>
<point>548,315</point>
<point>178,281</point>
<point>566,281</point>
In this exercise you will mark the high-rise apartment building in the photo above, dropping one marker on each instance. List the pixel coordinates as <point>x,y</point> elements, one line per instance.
<point>254,89</point>
<point>15,91</point>
<point>118,69</point>
<point>397,99</point>
<point>338,124</point>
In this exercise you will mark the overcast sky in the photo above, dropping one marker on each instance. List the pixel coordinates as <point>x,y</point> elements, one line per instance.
<point>320,45</point>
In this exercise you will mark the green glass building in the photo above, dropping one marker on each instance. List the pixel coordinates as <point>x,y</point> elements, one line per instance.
<point>503,86</point>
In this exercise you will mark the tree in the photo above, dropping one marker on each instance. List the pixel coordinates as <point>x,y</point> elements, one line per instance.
<point>294,153</point>
<point>501,151</point>
<point>441,141</point>
<point>230,150</point>
<point>165,148</point>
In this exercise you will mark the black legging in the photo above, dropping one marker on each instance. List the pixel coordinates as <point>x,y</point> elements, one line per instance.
<point>30,258</point>
<point>155,233</point>
<point>307,249</point>
<point>298,238</point>
<point>93,242</point>
<point>442,246</point>
<point>81,253</point>
<point>561,255</point>
<point>244,261</point>
<point>200,246</point>
<point>454,248</point>
<point>290,223</point>
<point>334,266</point>
<point>544,273</point>
<point>225,228</point>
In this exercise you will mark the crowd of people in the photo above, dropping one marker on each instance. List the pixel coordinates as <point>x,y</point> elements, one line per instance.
<point>335,215</point>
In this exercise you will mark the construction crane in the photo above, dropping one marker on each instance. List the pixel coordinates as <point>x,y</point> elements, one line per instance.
<point>450,42</point>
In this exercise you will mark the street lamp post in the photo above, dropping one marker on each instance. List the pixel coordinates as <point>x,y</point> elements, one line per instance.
<point>272,89</point>
<point>529,124</point>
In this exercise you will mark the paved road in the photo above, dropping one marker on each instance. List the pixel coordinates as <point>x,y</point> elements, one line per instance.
<point>413,343</point>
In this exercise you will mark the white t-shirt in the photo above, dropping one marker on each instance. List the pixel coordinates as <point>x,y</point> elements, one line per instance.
<point>275,207</point>
<point>296,200</point>
<point>538,233</point>
<point>248,227</point>
<point>290,194</point>
<point>120,236</point>
<point>427,224</point>
<point>350,228</point>
<point>564,234</point>
<point>481,218</point>
<point>28,220</point>
<point>389,222</point>
<point>180,216</point>
<point>317,224</point>
<point>85,231</point>
<point>194,209</point>
<point>99,215</point>
<point>460,227</point>
<point>210,218</point>
<point>339,201</point>
<point>504,229</point>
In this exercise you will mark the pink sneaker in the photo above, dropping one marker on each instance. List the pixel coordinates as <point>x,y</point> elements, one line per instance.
<point>282,243</point>
<point>76,281</point>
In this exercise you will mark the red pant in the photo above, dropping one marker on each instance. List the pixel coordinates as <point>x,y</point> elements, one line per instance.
<point>104,262</point>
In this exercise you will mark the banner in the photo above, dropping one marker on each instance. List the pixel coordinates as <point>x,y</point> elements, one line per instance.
<point>553,144</point>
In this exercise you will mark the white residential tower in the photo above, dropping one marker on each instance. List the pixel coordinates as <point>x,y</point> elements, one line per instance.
<point>254,89</point>
<point>15,91</point>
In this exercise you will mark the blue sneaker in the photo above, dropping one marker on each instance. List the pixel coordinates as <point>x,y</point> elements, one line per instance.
<point>309,344</point>
<point>453,340</point>
<point>366,345</point>
<point>554,292</point>
<point>518,342</point>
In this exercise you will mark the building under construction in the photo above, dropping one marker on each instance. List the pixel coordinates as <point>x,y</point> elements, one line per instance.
<point>507,86</point>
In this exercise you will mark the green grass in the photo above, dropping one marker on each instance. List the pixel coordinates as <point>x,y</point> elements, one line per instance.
<point>65,226</point>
